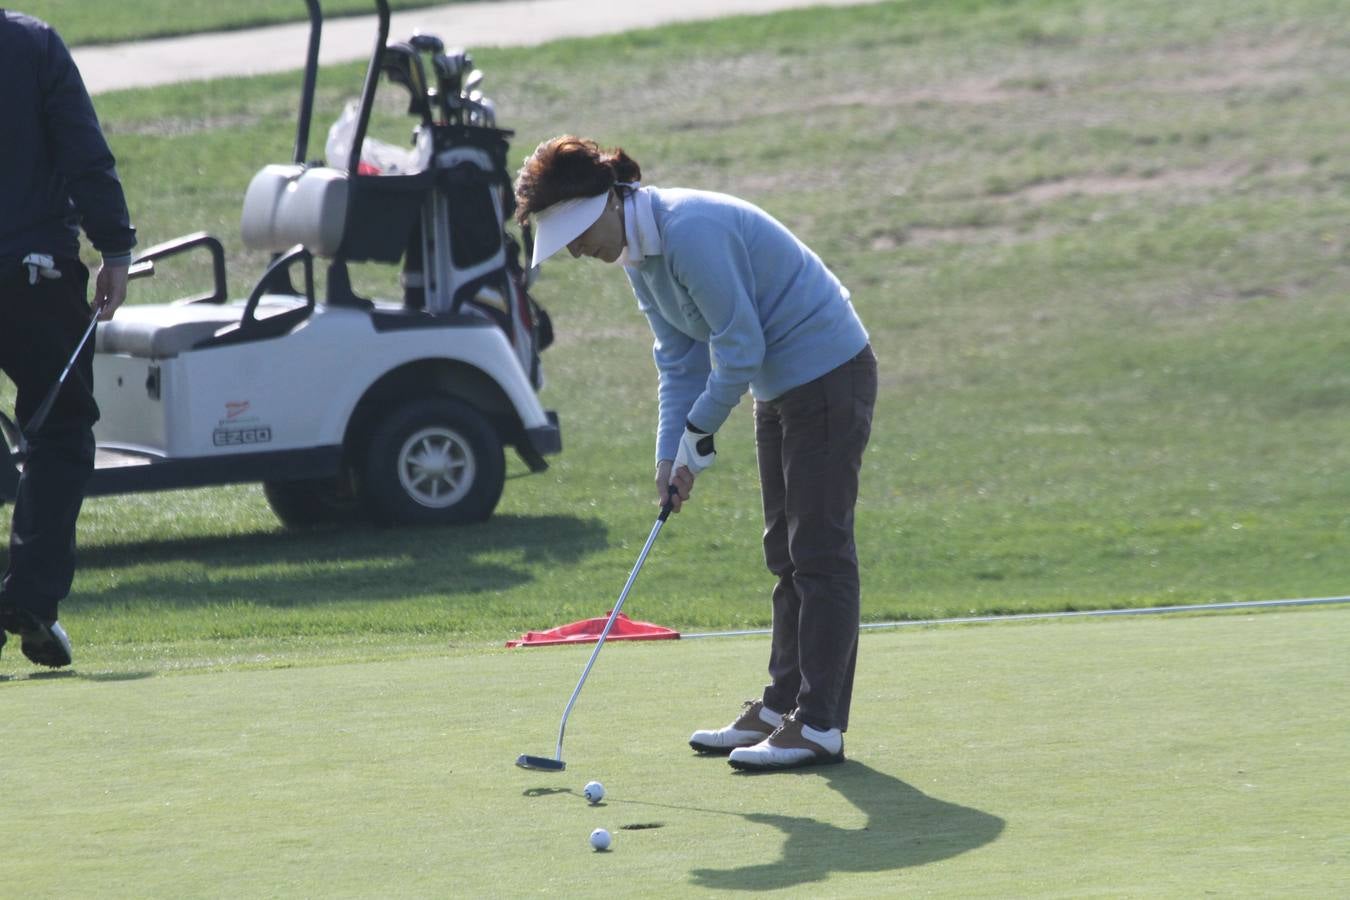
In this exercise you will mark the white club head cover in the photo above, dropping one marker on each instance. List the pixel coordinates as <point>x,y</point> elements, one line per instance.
<point>688,454</point>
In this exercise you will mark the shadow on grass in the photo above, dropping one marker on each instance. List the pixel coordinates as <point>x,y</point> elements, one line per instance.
<point>905,827</point>
<point>74,674</point>
<point>302,568</point>
<point>113,677</point>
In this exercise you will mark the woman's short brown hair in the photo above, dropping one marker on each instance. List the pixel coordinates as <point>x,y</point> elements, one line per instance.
<point>568,167</point>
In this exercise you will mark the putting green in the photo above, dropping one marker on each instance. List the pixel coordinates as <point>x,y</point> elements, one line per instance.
<point>1145,756</point>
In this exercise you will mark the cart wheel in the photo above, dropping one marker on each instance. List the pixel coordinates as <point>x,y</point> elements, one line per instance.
<point>433,461</point>
<point>312,502</point>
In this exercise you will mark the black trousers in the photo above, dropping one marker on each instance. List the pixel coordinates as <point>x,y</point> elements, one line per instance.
<point>40,324</point>
<point>810,444</point>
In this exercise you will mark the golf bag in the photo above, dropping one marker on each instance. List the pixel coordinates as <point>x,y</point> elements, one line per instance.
<point>481,272</point>
<point>448,225</point>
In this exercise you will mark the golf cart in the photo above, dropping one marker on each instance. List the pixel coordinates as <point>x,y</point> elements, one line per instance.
<point>343,405</point>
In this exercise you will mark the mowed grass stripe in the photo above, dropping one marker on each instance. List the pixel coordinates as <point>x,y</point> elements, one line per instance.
<point>1166,757</point>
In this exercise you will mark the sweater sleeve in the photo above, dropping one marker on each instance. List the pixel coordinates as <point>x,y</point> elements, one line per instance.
<point>711,260</point>
<point>81,155</point>
<point>682,368</point>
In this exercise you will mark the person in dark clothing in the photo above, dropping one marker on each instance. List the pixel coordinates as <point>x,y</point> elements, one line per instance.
<point>57,176</point>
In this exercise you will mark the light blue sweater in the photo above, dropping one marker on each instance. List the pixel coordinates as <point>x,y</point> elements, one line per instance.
<point>735,301</point>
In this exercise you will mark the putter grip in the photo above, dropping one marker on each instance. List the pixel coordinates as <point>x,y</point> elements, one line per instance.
<point>669,504</point>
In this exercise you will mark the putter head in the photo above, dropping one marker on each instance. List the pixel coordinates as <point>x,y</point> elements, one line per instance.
<point>540,762</point>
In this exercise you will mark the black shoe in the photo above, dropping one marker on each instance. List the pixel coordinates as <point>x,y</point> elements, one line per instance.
<point>44,643</point>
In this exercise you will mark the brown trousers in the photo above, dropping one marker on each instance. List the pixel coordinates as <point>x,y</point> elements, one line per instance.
<point>810,444</point>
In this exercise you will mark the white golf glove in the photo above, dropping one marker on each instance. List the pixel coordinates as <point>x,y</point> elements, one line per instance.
<point>40,265</point>
<point>696,450</point>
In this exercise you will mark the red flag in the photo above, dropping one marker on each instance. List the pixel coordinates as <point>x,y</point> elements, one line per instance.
<point>587,631</point>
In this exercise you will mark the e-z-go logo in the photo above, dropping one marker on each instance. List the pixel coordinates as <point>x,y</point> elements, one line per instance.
<point>237,437</point>
<point>239,434</point>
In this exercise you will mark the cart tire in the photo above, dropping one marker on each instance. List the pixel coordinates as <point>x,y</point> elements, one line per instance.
<point>311,503</point>
<point>433,461</point>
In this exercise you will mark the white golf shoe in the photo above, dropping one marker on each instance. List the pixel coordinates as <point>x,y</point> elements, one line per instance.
<point>792,745</point>
<point>756,722</point>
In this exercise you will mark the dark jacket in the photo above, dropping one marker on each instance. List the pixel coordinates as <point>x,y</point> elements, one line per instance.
<point>56,171</point>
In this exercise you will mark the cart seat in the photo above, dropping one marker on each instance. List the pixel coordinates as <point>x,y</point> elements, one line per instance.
<point>159,332</point>
<point>287,205</point>
<point>163,332</point>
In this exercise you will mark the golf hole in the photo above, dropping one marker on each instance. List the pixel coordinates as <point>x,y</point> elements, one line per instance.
<point>641,826</point>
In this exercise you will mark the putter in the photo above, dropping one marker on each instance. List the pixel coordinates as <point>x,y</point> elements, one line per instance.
<point>556,764</point>
<point>139,270</point>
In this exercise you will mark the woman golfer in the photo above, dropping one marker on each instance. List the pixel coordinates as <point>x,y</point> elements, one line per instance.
<point>736,301</point>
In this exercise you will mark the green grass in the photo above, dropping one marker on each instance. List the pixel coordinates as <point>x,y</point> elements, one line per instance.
<point>1160,757</point>
<point>82,22</point>
<point>1100,248</point>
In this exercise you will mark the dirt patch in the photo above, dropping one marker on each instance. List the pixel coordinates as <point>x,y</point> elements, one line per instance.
<point>961,92</point>
<point>1224,82</point>
<point>569,336</point>
<point>1232,66</point>
<point>1217,176</point>
<point>174,127</point>
<point>1202,298</point>
<point>982,235</point>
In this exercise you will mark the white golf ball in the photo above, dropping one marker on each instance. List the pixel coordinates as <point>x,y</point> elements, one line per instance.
<point>594,792</point>
<point>600,839</point>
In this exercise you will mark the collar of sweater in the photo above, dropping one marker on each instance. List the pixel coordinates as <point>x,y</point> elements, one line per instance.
<point>640,229</point>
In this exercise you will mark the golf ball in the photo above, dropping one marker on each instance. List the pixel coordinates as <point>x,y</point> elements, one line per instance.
<point>600,839</point>
<point>594,792</point>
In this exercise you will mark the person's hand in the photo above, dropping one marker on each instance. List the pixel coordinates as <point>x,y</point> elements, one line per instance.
<point>110,289</point>
<point>682,478</point>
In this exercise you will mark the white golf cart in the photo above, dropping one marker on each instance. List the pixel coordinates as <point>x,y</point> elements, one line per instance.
<point>343,405</point>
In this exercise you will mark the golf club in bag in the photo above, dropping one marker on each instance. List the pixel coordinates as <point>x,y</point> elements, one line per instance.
<point>556,764</point>
<point>139,270</point>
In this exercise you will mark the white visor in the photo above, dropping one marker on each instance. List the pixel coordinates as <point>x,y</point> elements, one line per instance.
<point>563,222</point>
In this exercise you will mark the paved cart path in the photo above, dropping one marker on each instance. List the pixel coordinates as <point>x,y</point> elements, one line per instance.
<point>281,48</point>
